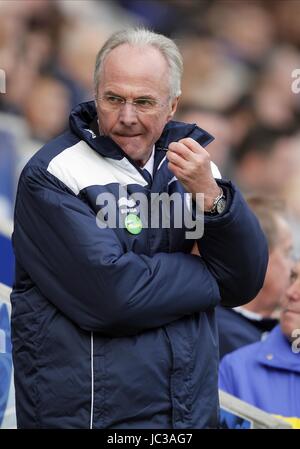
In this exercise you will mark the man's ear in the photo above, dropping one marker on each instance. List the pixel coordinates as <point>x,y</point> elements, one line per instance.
<point>173,108</point>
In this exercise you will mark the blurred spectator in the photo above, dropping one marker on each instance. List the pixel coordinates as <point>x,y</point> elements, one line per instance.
<point>219,127</point>
<point>5,359</point>
<point>101,13</point>
<point>286,20</point>
<point>169,17</point>
<point>152,14</point>
<point>265,160</point>
<point>46,108</point>
<point>241,117</point>
<point>291,191</point>
<point>77,54</point>
<point>7,170</point>
<point>28,44</point>
<point>245,29</point>
<point>274,103</point>
<point>247,324</point>
<point>211,79</point>
<point>267,374</point>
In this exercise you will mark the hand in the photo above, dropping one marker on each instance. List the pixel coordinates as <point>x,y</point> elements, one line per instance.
<point>190,163</point>
<point>195,250</point>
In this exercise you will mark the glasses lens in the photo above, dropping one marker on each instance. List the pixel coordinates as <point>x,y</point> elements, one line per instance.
<point>145,104</point>
<point>114,103</point>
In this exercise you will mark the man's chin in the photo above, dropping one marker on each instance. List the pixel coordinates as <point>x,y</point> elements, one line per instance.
<point>128,140</point>
<point>130,145</point>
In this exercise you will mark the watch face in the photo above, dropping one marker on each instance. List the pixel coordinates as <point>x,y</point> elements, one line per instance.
<point>221,204</point>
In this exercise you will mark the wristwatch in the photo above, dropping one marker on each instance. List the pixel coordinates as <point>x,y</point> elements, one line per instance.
<point>219,204</point>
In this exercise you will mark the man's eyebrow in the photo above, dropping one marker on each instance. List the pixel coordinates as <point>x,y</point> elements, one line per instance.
<point>146,96</point>
<point>110,92</point>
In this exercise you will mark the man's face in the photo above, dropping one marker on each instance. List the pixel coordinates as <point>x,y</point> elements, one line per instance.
<point>133,73</point>
<point>290,314</point>
<point>279,267</point>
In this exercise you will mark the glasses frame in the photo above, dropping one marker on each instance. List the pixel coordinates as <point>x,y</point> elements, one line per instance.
<point>113,108</point>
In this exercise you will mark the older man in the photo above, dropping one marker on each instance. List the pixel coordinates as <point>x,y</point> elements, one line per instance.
<point>267,373</point>
<point>251,322</point>
<point>113,321</point>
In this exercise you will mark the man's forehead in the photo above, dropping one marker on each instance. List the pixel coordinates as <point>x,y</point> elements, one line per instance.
<point>129,68</point>
<point>138,58</point>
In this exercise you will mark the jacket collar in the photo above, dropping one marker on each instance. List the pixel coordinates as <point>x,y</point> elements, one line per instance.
<point>85,114</point>
<point>276,352</point>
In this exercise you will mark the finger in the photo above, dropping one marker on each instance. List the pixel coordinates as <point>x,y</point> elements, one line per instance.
<point>177,171</point>
<point>182,150</point>
<point>195,250</point>
<point>176,158</point>
<point>172,167</point>
<point>193,145</point>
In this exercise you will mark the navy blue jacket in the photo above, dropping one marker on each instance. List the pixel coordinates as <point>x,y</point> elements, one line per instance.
<point>111,329</point>
<point>236,330</point>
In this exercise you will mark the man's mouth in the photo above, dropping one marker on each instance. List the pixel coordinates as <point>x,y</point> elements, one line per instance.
<point>292,311</point>
<point>127,135</point>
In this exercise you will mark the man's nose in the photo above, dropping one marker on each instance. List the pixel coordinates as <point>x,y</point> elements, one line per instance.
<point>293,292</point>
<point>128,114</point>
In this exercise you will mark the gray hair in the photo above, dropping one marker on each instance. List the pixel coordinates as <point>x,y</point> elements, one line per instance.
<point>143,37</point>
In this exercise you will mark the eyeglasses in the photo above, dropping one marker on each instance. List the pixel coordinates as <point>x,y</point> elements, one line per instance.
<point>143,105</point>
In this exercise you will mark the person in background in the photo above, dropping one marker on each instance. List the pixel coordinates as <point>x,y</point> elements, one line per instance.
<point>251,322</point>
<point>5,359</point>
<point>266,374</point>
<point>266,159</point>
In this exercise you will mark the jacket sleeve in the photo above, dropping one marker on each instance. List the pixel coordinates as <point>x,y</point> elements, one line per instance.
<point>235,250</point>
<point>84,271</point>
